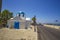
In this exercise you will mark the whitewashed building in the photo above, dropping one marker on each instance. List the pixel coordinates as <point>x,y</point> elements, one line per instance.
<point>18,22</point>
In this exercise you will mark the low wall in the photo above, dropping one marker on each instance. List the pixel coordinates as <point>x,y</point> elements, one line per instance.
<point>53,26</point>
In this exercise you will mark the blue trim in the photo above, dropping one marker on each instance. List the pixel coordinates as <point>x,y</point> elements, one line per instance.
<point>16,25</point>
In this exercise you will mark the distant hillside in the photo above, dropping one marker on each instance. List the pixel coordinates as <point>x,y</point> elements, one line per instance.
<point>52,24</point>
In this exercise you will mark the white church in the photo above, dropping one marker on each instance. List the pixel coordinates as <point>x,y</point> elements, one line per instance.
<point>19,22</point>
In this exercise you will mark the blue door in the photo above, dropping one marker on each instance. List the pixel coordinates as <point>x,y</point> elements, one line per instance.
<point>16,25</point>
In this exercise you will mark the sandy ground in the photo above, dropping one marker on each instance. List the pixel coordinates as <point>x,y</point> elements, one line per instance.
<point>15,34</point>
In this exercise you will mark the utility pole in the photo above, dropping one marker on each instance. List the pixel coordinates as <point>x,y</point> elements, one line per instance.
<point>0,5</point>
<point>0,10</point>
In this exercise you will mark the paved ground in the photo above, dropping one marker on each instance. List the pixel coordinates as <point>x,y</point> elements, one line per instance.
<point>46,33</point>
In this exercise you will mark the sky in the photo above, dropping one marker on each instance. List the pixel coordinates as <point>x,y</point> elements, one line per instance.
<point>46,11</point>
